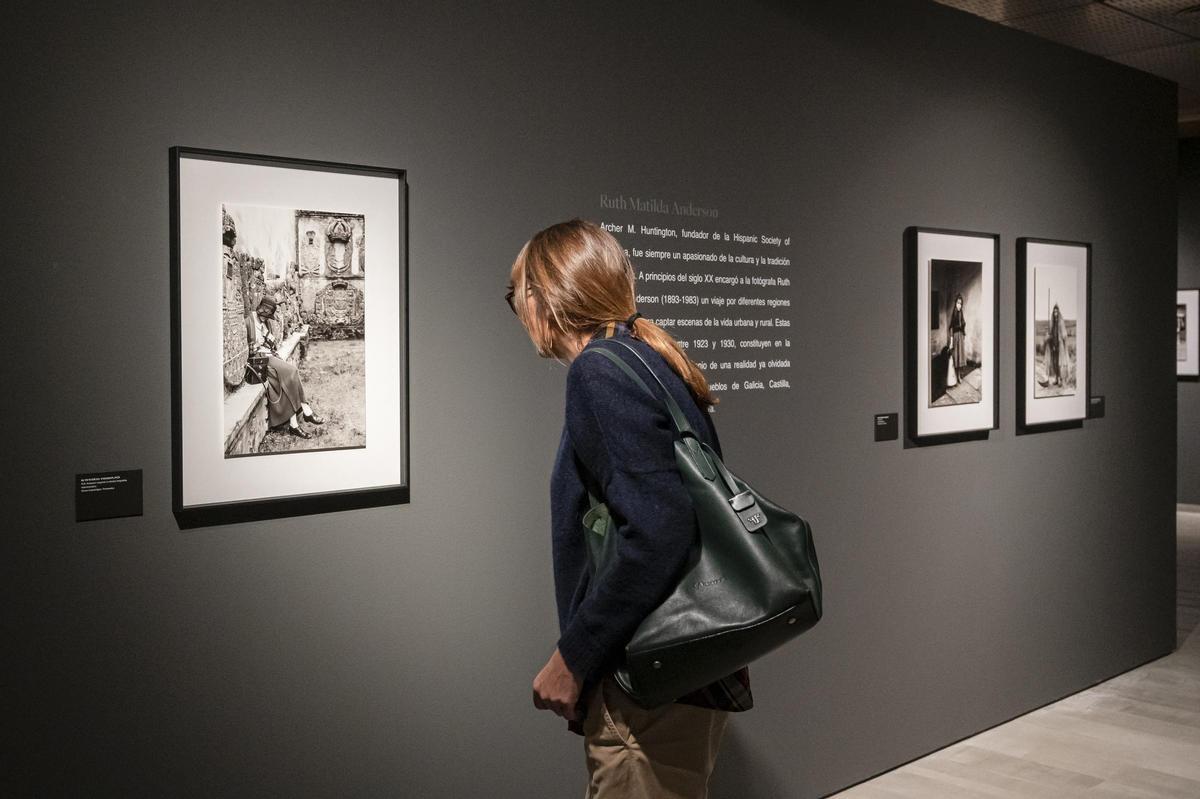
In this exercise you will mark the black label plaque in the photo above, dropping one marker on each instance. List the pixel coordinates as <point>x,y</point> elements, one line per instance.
<point>1095,409</point>
<point>887,426</point>
<point>108,495</point>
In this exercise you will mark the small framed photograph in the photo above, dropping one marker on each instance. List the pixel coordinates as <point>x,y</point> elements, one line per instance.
<point>1187,334</point>
<point>952,283</point>
<point>289,336</point>
<point>1054,289</point>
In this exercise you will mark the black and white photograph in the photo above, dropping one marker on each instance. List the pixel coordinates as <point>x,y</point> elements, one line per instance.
<point>1187,340</point>
<point>294,333</point>
<point>290,396</point>
<point>1055,323</point>
<point>956,333</point>
<point>1053,333</point>
<point>951,338</point>
<point>1181,332</point>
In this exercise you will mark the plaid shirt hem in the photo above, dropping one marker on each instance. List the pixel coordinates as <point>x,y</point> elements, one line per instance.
<point>730,693</point>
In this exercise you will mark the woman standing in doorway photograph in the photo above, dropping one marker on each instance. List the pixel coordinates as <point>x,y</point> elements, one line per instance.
<point>572,287</point>
<point>958,332</point>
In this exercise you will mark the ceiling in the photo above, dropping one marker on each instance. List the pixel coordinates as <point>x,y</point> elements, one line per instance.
<point>1157,36</point>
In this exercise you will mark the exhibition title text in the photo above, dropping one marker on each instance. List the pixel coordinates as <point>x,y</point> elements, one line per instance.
<point>627,202</point>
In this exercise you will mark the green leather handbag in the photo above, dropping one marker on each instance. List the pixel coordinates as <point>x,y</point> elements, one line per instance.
<point>752,582</point>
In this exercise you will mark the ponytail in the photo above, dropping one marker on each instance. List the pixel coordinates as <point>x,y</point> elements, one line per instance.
<point>665,345</point>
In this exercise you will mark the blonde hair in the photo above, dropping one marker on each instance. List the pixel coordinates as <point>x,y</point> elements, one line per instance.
<point>572,279</point>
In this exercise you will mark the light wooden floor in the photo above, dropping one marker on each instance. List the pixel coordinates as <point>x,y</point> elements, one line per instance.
<point>1137,735</point>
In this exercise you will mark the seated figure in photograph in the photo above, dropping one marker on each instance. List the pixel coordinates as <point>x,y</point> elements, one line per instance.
<point>285,392</point>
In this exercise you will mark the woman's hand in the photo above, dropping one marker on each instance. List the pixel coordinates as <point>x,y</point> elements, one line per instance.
<point>556,688</point>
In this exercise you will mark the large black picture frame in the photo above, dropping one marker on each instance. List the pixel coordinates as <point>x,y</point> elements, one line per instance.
<point>191,514</point>
<point>916,341</point>
<point>1187,369</point>
<point>1075,416</point>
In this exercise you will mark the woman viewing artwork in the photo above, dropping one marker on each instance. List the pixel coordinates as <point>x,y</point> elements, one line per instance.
<point>572,287</point>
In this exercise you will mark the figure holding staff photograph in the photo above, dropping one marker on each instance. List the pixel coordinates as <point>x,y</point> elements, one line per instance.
<point>1057,357</point>
<point>1055,323</point>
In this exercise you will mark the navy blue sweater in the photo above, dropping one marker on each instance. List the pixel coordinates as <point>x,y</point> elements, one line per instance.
<point>619,441</point>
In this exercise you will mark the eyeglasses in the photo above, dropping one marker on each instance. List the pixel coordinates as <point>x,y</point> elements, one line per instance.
<point>510,297</point>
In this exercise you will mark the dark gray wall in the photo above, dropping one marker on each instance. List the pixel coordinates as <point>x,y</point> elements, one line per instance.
<point>1189,277</point>
<point>390,651</point>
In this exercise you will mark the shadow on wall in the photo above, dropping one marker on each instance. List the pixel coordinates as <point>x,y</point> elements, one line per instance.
<point>742,772</point>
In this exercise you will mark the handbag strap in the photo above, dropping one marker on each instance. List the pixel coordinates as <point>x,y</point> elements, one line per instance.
<point>673,409</point>
<point>706,464</point>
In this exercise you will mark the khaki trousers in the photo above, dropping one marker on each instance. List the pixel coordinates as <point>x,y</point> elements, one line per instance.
<point>665,753</point>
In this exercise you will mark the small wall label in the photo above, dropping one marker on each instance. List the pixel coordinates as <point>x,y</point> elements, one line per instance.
<point>1095,408</point>
<point>108,495</point>
<point>887,426</point>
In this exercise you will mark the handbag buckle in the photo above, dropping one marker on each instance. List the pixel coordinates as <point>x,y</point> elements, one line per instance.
<point>746,507</point>
<point>741,501</point>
